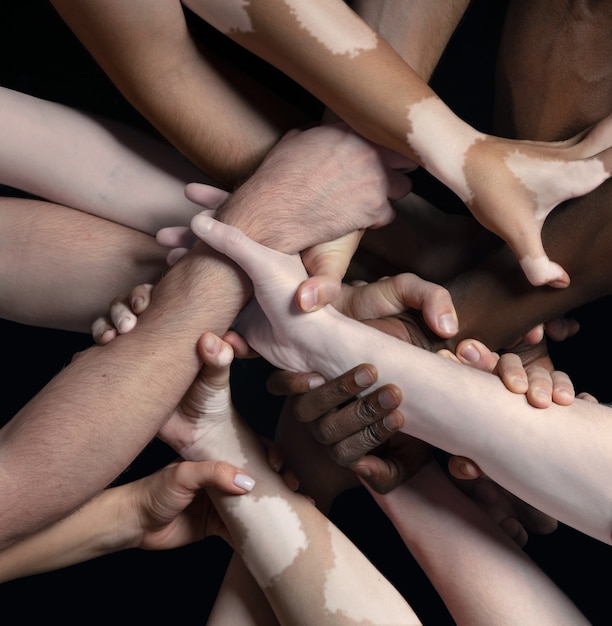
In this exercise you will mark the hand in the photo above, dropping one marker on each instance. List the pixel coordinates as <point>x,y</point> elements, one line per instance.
<point>123,314</point>
<point>170,508</point>
<point>360,434</point>
<point>180,239</point>
<point>537,177</point>
<point>517,518</point>
<point>529,371</point>
<point>315,186</point>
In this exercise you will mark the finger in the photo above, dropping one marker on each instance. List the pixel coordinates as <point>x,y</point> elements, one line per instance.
<point>515,530</point>
<point>195,475</point>
<point>317,291</point>
<point>351,449</point>
<point>140,297</point>
<point>255,259</point>
<point>584,395</point>
<point>463,468</point>
<point>175,255</point>
<point>535,335</point>
<point>381,474</point>
<point>121,315</point>
<point>216,353</point>
<point>512,373</point>
<point>206,195</point>
<point>103,331</point>
<point>563,389</point>
<point>476,354</point>
<point>331,394</point>
<point>539,393</point>
<point>327,264</point>
<point>283,383</point>
<point>241,348</point>
<point>175,237</point>
<point>561,328</point>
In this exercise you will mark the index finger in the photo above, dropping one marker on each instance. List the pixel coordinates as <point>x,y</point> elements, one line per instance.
<point>316,403</point>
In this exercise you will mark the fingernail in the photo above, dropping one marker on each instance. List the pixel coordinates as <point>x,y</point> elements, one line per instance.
<point>392,422</point>
<point>137,303</point>
<point>315,381</point>
<point>364,471</point>
<point>244,482</point>
<point>211,343</point>
<point>470,353</point>
<point>387,399</point>
<point>448,323</point>
<point>363,377</point>
<point>124,324</point>
<point>201,224</point>
<point>309,298</point>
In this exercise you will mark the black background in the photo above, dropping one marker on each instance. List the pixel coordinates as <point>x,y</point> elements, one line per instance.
<point>40,56</point>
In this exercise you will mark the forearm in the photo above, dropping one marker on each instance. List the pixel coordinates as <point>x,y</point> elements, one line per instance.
<point>343,67</point>
<point>288,544</point>
<point>240,599</point>
<point>92,164</point>
<point>221,119</point>
<point>102,526</point>
<point>450,536</point>
<point>419,30</point>
<point>60,268</point>
<point>537,454</point>
<point>88,423</point>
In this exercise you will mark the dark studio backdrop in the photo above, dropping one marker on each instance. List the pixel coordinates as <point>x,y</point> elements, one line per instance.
<point>40,56</point>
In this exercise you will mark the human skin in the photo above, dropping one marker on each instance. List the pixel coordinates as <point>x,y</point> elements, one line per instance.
<point>537,454</point>
<point>93,164</point>
<point>327,49</point>
<point>308,570</point>
<point>58,451</point>
<point>212,111</point>
<point>165,510</point>
<point>575,74</point>
<point>450,536</point>
<point>60,267</point>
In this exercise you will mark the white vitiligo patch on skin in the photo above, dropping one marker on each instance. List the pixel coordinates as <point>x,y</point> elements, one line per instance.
<point>321,20</point>
<point>436,124</point>
<point>540,270</point>
<point>225,15</point>
<point>569,179</point>
<point>269,549</point>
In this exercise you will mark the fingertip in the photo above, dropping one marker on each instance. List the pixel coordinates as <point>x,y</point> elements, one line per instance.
<point>448,325</point>
<point>201,224</point>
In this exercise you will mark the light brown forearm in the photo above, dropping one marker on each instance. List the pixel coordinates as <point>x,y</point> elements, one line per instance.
<point>220,118</point>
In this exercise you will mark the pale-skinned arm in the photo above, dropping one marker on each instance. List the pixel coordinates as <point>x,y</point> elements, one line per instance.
<point>93,164</point>
<point>537,454</point>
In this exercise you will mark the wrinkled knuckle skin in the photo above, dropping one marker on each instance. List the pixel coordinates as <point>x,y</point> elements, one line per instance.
<point>367,413</point>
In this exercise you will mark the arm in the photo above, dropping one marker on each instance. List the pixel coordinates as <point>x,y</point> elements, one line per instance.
<point>343,66</point>
<point>61,267</point>
<point>74,437</point>
<point>418,31</point>
<point>214,113</point>
<point>96,165</point>
<point>450,537</point>
<point>162,511</point>
<point>308,570</point>
<point>537,454</point>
